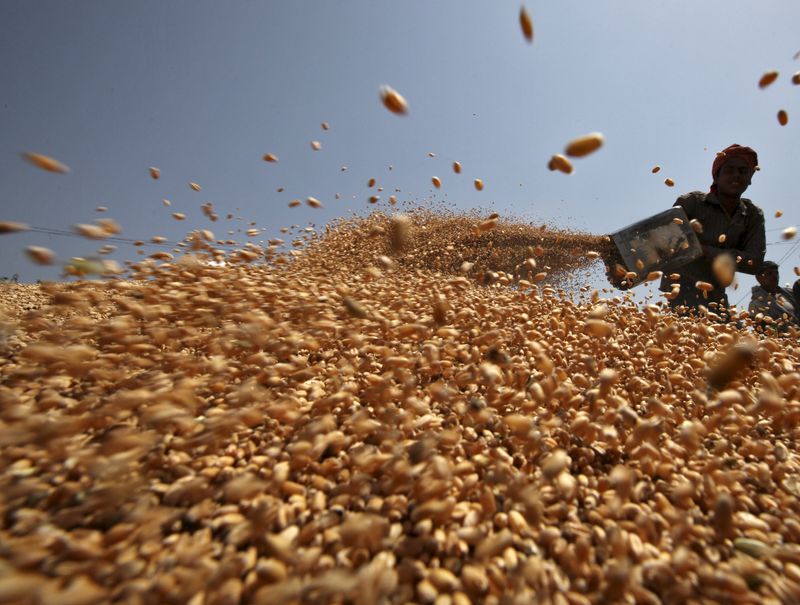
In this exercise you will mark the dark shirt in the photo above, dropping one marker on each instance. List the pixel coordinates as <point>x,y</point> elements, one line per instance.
<point>778,310</point>
<point>744,239</point>
<point>796,292</point>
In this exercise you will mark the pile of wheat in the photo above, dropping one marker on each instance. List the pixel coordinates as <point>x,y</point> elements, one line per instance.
<point>404,410</point>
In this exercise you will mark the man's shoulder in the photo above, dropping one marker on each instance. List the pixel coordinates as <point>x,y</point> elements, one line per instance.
<point>693,197</point>
<point>691,202</point>
<point>751,207</point>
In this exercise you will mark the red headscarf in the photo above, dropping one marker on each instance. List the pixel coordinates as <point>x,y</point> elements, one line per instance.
<point>733,151</point>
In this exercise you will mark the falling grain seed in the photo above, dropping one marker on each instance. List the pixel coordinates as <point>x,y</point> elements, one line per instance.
<point>767,79</point>
<point>436,182</point>
<point>325,126</point>
<point>154,173</point>
<point>457,167</point>
<point>669,182</point>
<point>166,203</point>
<point>478,184</point>
<point>270,157</point>
<point>526,24</point>
<point>721,239</point>
<point>583,146</point>
<point>789,233</point>
<point>40,255</point>
<point>778,213</point>
<point>704,287</point>
<point>12,227</point>
<point>46,163</point>
<point>393,100</point>
<point>91,231</point>
<point>314,202</point>
<point>724,269</point>
<point>560,163</point>
<point>179,216</point>
<point>783,117</point>
<point>655,169</point>
<point>194,186</point>
<point>316,145</point>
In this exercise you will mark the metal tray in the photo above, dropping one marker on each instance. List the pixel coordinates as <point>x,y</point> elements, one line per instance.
<point>663,242</point>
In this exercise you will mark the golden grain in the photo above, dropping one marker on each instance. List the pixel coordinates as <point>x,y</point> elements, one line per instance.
<point>767,79</point>
<point>724,269</point>
<point>560,163</point>
<point>12,227</point>
<point>40,255</point>
<point>393,413</point>
<point>46,163</point>
<point>583,146</point>
<point>526,23</point>
<point>393,100</point>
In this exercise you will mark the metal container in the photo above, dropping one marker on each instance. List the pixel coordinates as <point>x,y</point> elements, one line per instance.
<point>663,242</point>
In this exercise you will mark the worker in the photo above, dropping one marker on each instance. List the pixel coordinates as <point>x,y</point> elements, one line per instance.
<point>725,223</point>
<point>771,306</point>
<point>796,292</point>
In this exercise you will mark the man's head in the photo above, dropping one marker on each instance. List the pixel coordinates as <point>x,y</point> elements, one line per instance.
<point>767,276</point>
<point>732,170</point>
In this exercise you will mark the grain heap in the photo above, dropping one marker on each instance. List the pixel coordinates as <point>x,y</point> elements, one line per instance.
<point>486,247</point>
<point>358,423</point>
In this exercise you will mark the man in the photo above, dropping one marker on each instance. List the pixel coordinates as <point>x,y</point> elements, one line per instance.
<point>726,223</point>
<point>796,292</point>
<point>770,305</point>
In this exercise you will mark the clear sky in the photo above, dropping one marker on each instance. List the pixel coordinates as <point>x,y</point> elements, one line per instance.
<point>203,89</point>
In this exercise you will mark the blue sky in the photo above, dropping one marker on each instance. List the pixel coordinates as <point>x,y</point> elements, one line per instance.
<point>204,89</point>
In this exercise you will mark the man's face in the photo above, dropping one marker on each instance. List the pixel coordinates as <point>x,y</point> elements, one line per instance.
<point>733,177</point>
<point>768,279</point>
